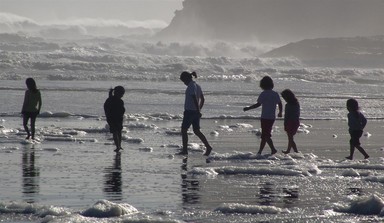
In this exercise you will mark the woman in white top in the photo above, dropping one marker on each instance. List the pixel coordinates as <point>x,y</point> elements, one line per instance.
<point>194,102</point>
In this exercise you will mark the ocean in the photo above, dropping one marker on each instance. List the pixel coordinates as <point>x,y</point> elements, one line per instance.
<point>71,174</point>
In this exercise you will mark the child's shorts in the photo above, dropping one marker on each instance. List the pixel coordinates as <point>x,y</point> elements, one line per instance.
<point>191,118</point>
<point>291,126</point>
<point>266,128</point>
<point>355,137</point>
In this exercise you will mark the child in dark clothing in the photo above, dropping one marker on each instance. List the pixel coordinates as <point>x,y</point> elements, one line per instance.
<point>356,123</point>
<point>31,107</point>
<point>291,118</point>
<point>114,112</point>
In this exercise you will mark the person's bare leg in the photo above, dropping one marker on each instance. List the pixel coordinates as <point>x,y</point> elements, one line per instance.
<point>351,152</point>
<point>366,156</point>
<point>184,138</point>
<point>262,145</point>
<point>292,143</point>
<point>33,121</point>
<point>270,143</point>
<point>116,141</point>
<point>204,140</point>
<point>289,146</point>
<point>25,124</point>
<point>119,137</point>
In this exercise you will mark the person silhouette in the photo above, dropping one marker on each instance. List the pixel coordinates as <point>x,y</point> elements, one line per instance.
<point>194,102</point>
<point>31,107</point>
<point>356,123</point>
<point>114,111</point>
<point>291,118</point>
<point>268,99</point>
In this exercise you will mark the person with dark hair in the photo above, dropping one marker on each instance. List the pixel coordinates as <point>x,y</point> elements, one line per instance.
<point>31,106</point>
<point>291,118</point>
<point>194,102</point>
<point>268,99</point>
<point>114,111</point>
<point>356,123</point>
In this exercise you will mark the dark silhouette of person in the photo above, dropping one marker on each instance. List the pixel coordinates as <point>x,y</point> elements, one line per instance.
<point>291,118</point>
<point>356,123</point>
<point>268,99</point>
<point>194,102</point>
<point>31,106</point>
<point>30,174</point>
<point>114,111</point>
<point>113,180</point>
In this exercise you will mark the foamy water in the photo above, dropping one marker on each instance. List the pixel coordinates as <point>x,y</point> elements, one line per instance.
<point>71,174</point>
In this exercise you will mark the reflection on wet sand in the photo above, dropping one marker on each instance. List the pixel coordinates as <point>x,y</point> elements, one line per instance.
<point>113,180</point>
<point>31,175</point>
<point>190,186</point>
<point>270,194</point>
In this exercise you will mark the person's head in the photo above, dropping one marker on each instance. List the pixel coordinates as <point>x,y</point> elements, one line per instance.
<point>289,96</point>
<point>352,105</point>
<point>118,91</point>
<point>186,77</point>
<point>266,83</point>
<point>31,84</point>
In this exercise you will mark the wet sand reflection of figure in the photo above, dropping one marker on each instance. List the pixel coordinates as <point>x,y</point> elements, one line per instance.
<point>270,194</point>
<point>113,180</point>
<point>31,174</point>
<point>189,186</point>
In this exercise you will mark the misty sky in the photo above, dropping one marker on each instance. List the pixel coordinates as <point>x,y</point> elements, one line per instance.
<point>45,11</point>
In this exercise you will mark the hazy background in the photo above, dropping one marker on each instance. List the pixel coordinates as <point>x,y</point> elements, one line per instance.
<point>346,33</point>
<point>58,11</point>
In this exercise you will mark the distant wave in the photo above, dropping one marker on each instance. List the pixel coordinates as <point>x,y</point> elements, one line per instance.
<point>79,27</point>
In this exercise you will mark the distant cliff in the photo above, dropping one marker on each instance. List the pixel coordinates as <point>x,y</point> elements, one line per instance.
<point>274,21</point>
<point>339,52</point>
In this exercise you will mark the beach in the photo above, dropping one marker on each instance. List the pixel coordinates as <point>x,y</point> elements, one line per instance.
<point>71,174</point>
<point>77,51</point>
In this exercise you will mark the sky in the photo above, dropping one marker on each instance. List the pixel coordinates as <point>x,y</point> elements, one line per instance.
<point>51,11</point>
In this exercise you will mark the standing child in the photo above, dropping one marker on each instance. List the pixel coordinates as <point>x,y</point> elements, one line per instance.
<point>114,112</point>
<point>268,99</point>
<point>291,118</point>
<point>194,102</point>
<point>356,123</point>
<point>31,106</point>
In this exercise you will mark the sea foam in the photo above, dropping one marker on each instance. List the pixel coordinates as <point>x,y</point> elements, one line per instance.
<point>369,205</point>
<point>249,209</point>
<point>107,209</point>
